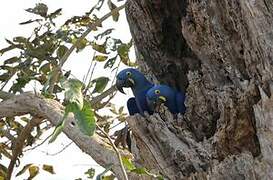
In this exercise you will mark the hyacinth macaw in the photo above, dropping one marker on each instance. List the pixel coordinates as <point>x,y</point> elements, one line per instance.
<point>171,98</point>
<point>132,78</point>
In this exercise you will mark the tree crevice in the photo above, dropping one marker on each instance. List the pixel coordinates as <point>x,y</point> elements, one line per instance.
<point>220,53</point>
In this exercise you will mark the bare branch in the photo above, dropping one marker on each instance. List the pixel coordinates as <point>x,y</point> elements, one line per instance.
<point>18,145</point>
<point>52,110</point>
<point>32,148</point>
<point>100,97</point>
<point>58,152</point>
<point>125,176</point>
<point>7,134</point>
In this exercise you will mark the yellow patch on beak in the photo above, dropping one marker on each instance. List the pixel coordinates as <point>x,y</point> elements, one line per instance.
<point>162,98</point>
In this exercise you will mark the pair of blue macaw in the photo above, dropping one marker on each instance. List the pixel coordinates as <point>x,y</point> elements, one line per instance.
<point>147,95</point>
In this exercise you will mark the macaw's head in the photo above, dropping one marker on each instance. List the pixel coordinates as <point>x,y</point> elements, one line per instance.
<point>159,94</point>
<point>130,78</point>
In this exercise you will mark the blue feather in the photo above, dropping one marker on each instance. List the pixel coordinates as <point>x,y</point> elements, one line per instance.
<point>134,79</point>
<point>174,100</point>
<point>132,106</point>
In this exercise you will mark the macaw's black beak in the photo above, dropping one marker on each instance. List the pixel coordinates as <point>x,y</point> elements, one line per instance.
<point>154,104</point>
<point>120,84</point>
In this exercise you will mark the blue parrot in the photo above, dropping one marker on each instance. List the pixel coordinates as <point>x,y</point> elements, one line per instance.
<point>132,78</point>
<point>171,98</point>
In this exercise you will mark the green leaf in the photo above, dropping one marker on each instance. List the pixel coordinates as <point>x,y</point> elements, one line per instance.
<point>107,168</point>
<point>110,177</point>
<point>101,84</point>
<point>61,51</point>
<point>144,171</point>
<point>110,62</point>
<point>141,170</point>
<point>159,177</point>
<point>3,171</point>
<point>4,77</point>
<point>86,119</point>
<point>120,110</point>
<point>55,13</point>
<point>123,52</point>
<point>5,152</point>
<point>33,171</point>
<point>100,58</point>
<point>99,47</point>
<point>11,60</point>
<point>46,68</point>
<point>128,163</point>
<point>23,170</point>
<point>40,9</point>
<point>90,173</point>
<point>115,14</point>
<point>48,168</point>
<point>73,93</point>
<point>81,44</point>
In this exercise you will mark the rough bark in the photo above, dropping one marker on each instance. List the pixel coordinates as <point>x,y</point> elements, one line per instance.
<point>221,53</point>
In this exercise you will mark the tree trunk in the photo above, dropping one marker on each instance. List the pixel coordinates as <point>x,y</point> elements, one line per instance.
<point>221,53</point>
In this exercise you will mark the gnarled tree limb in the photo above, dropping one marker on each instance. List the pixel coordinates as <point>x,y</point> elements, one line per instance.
<point>53,111</point>
<point>18,143</point>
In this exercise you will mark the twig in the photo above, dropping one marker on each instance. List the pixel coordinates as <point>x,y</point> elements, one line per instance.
<point>56,153</point>
<point>6,82</point>
<point>38,144</point>
<point>117,152</point>
<point>100,97</point>
<point>117,125</point>
<point>19,143</point>
<point>92,26</point>
<point>89,69</point>
<point>116,73</point>
<point>7,134</point>
<point>90,78</point>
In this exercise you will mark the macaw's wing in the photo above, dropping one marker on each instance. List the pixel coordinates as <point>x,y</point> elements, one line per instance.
<point>132,106</point>
<point>142,102</point>
<point>180,102</point>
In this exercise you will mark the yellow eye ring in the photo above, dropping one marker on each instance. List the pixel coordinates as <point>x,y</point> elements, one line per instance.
<point>157,91</point>
<point>128,73</point>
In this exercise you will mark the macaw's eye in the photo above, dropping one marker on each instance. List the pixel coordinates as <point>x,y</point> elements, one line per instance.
<point>157,91</point>
<point>128,73</point>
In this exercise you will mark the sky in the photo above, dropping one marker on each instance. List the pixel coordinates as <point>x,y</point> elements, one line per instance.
<point>72,162</point>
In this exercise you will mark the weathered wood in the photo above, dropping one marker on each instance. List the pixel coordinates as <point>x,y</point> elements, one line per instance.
<point>221,53</point>
<point>53,111</point>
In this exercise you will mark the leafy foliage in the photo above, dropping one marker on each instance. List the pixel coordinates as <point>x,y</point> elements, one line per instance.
<point>101,84</point>
<point>141,170</point>
<point>48,168</point>
<point>3,172</point>
<point>34,170</point>
<point>35,58</point>
<point>90,173</point>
